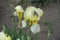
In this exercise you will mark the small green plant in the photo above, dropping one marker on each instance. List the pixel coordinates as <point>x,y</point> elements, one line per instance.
<point>49,25</point>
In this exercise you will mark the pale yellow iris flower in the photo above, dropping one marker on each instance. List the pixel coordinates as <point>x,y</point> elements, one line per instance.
<point>29,14</point>
<point>33,14</point>
<point>3,36</point>
<point>19,11</point>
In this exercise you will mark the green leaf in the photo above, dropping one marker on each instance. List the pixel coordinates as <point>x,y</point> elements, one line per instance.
<point>25,36</point>
<point>6,30</point>
<point>14,34</point>
<point>20,33</point>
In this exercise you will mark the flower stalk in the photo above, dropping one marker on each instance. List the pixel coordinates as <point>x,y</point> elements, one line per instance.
<point>49,33</point>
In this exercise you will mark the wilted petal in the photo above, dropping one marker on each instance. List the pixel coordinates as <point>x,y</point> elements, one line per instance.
<point>24,24</point>
<point>35,28</point>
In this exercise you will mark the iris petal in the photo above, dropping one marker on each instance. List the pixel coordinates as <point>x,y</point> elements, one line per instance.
<point>24,24</point>
<point>35,28</point>
<point>28,15</point>
<point>4,37</point>
<point>19,8</point>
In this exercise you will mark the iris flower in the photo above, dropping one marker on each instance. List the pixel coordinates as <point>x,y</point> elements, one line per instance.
<point>3,36</point>
<point>33,14</point>
<point>18,12</point>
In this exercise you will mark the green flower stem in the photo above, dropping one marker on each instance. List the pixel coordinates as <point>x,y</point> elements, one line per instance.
<point>20,24</point>
<point>29,34</point>
<point>36,37</point>
<point>20,20</point>
<point>49,33</point>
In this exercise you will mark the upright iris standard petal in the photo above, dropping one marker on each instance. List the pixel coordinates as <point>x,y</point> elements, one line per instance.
<point>28,15</point>
<point>39,12</point>
<point>36,17</point>
<point>35,28</point>
<point>24,24</point>
<point>19,8</point>
<point>3,36</point>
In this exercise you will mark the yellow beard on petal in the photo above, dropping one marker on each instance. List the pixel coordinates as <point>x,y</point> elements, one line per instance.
<point>35,19</point>
<point>19,14</point>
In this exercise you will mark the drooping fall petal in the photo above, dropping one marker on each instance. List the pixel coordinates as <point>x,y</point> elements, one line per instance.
<point>24,24</point>
<point>35,28</point>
